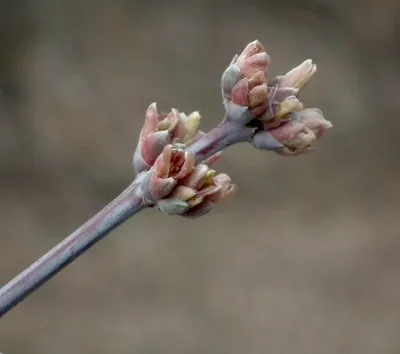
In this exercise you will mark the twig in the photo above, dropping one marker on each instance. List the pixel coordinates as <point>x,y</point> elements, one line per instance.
<point>126,205</point>
<point>173,158</point>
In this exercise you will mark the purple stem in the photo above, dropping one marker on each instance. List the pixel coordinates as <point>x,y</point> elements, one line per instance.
<point>127,204</point>
<point>224,135</point>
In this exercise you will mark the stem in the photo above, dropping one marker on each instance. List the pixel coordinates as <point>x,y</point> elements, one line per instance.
<point>127,204</point>
<point>224,135</point>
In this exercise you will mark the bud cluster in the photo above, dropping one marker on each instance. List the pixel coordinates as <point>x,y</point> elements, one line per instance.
<point>270,115</point>
<point>173,183</point>
<point>284,125</point>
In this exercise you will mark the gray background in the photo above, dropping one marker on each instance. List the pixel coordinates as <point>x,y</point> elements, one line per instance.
<point>304,260</point>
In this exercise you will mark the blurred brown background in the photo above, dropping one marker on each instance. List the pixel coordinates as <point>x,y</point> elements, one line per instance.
<point>304,260</point>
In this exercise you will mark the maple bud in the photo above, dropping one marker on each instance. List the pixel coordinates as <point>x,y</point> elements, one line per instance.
<point>299,76</point>
<point>294,136</point>
<point>243,83</point>
<point>161,129</point>
<point>197,193</point>
<point>170,166</point>
<point>192,123</point>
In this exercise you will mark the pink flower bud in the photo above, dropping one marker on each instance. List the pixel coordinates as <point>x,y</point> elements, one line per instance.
<point>177,127</point>
<point>153,145</point>
<point>160,129</point>
<point>150,122</point>
<point>253,59</point>
<point>197,177</point>
<point>283,90</point>
<point>173,163</point>
<point>152,139</point>
<point>182,193</point>
<point>314,120</point>
<point>244,83</point>
<point>282,101</point>
<point>299,76</point>
<point>155,188</point>
<point>221,189</point>
<point>257,96</point>
<point>148,149</point>
<point>174,184</point>
<point>240,93</point>
<point>227,188</point>
<point>170,166</point>
<point>294,137</point>
<point>197,192</point>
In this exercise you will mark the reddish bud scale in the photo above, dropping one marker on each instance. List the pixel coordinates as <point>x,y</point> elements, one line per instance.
<point>178,187</point>
<point>285,127</point>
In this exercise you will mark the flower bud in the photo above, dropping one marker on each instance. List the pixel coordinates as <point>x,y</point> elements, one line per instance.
<point>299,76</point>
<point>148,150</point>
<point>294,136</point>
<point>283,91</point>
<point>197,192</point>
<point>227,188</point>
<point>192,122</point>
<point>243,84</point>
<point>172,206</point>
<point>281,102</point>
<point>174,184</point>
<point>314,120</point>
<point>160,129</point>
<point>177,127</point>
<point>155,188</point>
<point>221,189</point>
<point>174,163</point>
<point>229,79</point>
<point>253,59</point>
<point>182,193</point>
<point>170,166</point>
<point>197,177</point>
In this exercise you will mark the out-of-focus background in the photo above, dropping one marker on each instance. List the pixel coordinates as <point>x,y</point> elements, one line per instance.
<point>304,260</point>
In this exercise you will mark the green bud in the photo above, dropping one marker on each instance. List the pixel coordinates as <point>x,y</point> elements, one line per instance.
<point>172,206</point>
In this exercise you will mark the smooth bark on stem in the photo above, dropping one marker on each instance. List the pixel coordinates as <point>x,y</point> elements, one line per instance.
<point>224,135</point>
<point>128,203</point>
